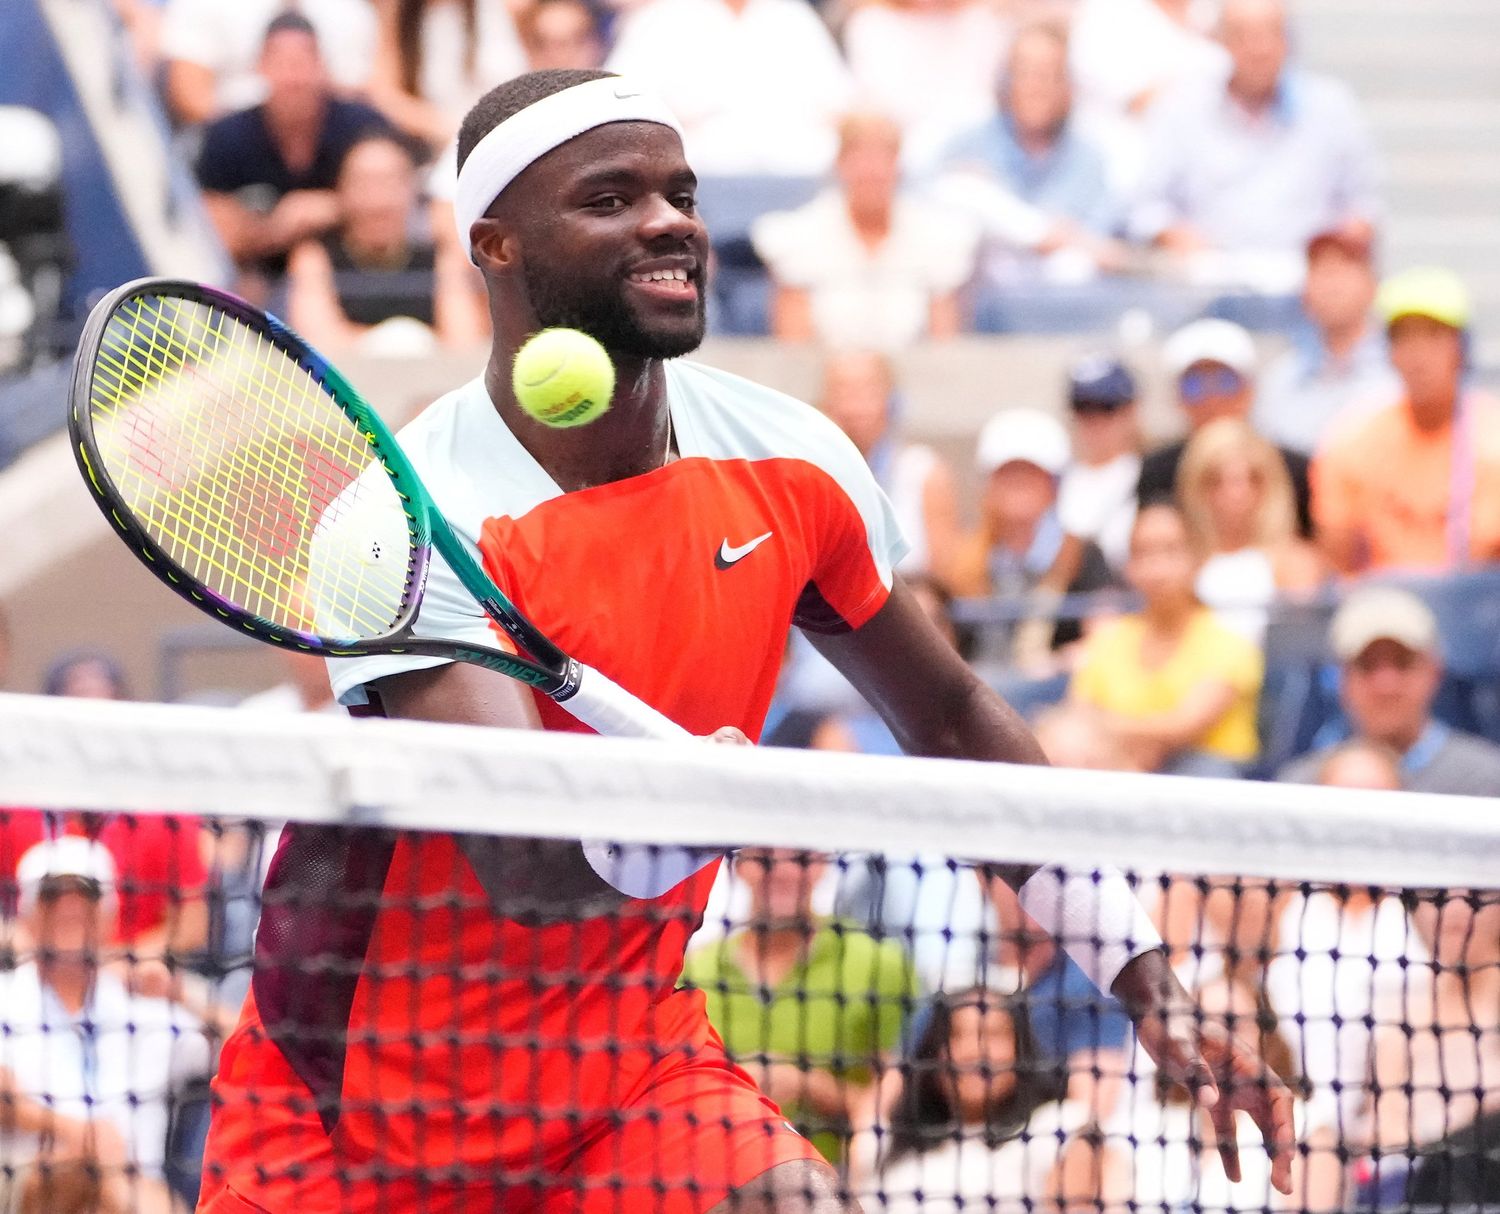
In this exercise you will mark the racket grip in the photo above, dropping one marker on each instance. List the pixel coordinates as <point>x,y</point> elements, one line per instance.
<point>607,708</point>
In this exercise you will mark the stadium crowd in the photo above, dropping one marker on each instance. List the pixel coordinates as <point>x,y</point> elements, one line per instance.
<point>920,168</point>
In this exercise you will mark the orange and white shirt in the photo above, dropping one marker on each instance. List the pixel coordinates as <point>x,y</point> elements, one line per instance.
<point>680,585</point>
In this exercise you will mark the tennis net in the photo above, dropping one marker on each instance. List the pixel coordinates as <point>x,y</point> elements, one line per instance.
<point>428,1031</point>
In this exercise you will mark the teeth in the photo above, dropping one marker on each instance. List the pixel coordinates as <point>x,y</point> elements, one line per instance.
<point>661,276</point>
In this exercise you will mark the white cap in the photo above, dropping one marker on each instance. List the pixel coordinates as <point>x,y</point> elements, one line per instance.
<point>1027,435</point>
<point>1210,341</point>
<point>65,856</point>
<point>1382,613</point>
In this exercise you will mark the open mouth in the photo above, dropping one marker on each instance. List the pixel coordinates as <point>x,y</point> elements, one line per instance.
<point>674,284</point>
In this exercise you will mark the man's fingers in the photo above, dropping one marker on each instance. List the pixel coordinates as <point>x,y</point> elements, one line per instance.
<point>729,736</point>
<point>1229,1151</point>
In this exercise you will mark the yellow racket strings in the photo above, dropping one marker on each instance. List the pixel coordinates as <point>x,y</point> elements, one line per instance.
<point>240,467</point>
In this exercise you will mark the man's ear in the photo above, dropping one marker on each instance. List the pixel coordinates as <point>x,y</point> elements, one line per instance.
<point>494,245</point>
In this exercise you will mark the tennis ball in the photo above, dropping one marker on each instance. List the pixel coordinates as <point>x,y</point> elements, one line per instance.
<point>563,377</point>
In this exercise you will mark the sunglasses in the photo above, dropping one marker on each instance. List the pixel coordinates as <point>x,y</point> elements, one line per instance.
<point>1096,408</point>
<point>1197,386</point>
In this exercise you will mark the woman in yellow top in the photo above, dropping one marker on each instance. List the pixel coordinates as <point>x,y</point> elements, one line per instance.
<point>1175,686</point>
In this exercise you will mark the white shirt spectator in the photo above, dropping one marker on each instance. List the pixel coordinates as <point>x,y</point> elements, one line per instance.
<point>119,1060</point>
<point>875,299</point>
<point>225,36</point>
<point>757,88</point>
<point>443,76</point>
<point>931,67</point>
<point>1097,502</point>
<point>1125,53</point>
<point>965,1174</point>
<point>1302,393</point>
<point>1240,587</point>
<point>1351,958</point>
<point>1257,187</point>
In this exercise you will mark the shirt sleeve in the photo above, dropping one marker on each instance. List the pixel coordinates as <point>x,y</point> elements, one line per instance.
<point>187,33</point>
<point>220,165</point>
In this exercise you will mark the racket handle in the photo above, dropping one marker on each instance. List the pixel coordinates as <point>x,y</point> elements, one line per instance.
<point>607,708</point>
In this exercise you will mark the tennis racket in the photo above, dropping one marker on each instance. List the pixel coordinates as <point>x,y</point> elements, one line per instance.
<point>245,472</point>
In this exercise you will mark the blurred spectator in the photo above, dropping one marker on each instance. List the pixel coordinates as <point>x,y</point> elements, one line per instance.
<point>929,64</point>
<point>758,85</point>
<point>1125,55</point>
<point>1033,182</point>
<point>1243,169</point>
<point>1019,547</point>
<point>1332,954</point>
<point>350,284</point>
<point>7,649</point>
<point>1339,362</point>
<point>561,34</point>
<point>88,1070</point>
<point>1212,365</point>
<point>268,172</point>
<point>864,263</point>
<point>1386,640</point>
<point>304,687</point>
<point>35,251</point>
<point>859,395</point>
<point>1096,500</point>
<point>436,58</point>
<point>1072,735</point>
<point>1442,511</point>
<point>1176,686</point>
<point>974,1125</point>
<point>809,1006</point>
<point>1436,1079</point>
<point>142,22</point>
<point>1234,489</point>
<point>211,50</point>
<point>86,674</point>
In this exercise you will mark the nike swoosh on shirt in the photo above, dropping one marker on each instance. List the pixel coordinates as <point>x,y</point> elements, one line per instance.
<point>727,556</point>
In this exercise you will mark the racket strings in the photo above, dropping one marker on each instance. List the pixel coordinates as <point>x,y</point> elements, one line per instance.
<point>246,473</point>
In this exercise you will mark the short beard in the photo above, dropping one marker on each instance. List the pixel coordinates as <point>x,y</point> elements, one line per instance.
<point>604,315</point>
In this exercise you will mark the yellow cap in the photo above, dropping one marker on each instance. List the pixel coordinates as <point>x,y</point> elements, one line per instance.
<point>1429,291</point>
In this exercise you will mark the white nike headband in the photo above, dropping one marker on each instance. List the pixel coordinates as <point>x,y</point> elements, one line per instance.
<point>526,136</point>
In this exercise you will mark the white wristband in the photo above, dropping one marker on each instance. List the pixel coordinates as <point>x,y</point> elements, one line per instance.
<point>1094,915</point>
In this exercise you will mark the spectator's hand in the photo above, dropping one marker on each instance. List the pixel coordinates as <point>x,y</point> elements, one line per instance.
<point>152,979</point>
<point>728,735</point>
<point>303,214</point>
<point>1224,1075</point>
<point>1183,241</point>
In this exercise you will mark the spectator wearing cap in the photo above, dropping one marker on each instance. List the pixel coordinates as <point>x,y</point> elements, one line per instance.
<point>1033,181</point>
<point>87,1069</point>
<point>860,396</point>
<point>1416,484</point>
<point>1213,364</point>
<point>1096,500</point>
<point>1019,547</point>
<point>268,173</point>
<point>866,264</point>
<point>1176,687</point>
<point>1386,642</point>
<point>1242,169</point>
<point>1339,362</point>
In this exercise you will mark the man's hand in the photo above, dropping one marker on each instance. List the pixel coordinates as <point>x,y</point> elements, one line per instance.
<point>1224,1075</point>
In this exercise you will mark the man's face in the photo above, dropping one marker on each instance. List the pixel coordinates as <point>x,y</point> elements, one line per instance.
<point>377,189</point>
<point>1388,691</point>
<point>1018,494</point>
<point>1339,290</point>
<point>869,170</point>
<point>294,71</point>
<point>1254,34</point>
<point>607,237</point>
<point>1428,356</point>
<point>67,922</point>
<point>781,883</point>
<point>1210,390</point>
<point>563,35</point>
<point>856,397</point>
<point>1038,95</point>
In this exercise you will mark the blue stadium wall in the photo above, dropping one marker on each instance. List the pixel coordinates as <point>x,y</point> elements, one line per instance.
<point>32,73</point>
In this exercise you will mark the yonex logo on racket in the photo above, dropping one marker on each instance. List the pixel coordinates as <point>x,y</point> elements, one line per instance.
<point>727,556</point>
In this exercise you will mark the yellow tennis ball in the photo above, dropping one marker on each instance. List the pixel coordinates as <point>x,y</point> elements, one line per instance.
<point>563,377</point>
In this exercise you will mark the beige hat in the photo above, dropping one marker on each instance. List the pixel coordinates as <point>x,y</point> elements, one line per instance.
<point>1382,613</point>
<point>1210,341</point>
<point>84,860</point>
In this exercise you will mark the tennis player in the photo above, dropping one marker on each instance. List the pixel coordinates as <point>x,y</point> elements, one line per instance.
<point>462,1025</point>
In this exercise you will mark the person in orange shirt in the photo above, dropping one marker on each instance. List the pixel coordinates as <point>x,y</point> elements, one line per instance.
<point>1415,485</point>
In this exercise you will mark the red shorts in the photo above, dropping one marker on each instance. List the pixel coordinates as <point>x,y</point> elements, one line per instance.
<point>697,1133</point>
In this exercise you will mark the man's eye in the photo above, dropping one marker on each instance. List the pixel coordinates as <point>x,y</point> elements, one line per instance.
<point>606,202</point>
<point>685,202</point>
